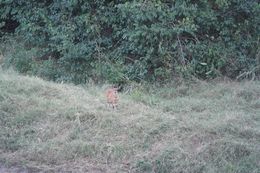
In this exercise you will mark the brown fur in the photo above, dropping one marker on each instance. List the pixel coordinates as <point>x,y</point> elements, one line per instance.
<point>112,97</point>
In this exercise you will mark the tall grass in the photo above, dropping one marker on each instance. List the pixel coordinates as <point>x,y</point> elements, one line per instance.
<point>203,127</point>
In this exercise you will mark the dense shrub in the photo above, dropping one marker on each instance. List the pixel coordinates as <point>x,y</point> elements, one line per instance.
<point>138,39</point>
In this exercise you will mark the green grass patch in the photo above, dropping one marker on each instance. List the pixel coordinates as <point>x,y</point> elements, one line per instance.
<point>200,127</point>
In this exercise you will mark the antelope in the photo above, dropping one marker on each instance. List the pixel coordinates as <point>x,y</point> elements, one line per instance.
<point>112,97</point>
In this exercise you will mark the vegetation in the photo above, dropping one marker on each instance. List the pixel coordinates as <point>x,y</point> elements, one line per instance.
<point>118,41</point>
<point>185,126</point>
<point>203,127</point>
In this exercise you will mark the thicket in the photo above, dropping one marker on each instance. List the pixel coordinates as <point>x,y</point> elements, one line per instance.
<point>117,41</point>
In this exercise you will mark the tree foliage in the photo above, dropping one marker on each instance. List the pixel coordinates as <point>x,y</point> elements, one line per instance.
<point>120,40</point>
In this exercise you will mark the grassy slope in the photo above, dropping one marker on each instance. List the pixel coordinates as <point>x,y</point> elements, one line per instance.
<point>199,128</point>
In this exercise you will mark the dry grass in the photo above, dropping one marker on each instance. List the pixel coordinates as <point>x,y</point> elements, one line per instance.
<point>203,127</point>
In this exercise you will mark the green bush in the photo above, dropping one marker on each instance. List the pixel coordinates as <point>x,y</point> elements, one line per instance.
<point>17,56</point>
<point>136,40</point>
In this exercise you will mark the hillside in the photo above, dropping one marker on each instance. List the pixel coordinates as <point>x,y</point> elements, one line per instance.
<point>203,127</point>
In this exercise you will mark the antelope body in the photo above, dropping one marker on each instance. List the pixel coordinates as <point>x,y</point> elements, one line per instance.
<point>112,97</point>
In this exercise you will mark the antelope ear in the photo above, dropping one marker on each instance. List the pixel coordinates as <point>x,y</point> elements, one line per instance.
<point>119,87</point>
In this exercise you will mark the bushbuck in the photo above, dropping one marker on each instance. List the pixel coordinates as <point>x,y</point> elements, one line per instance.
<point>112,97</point>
